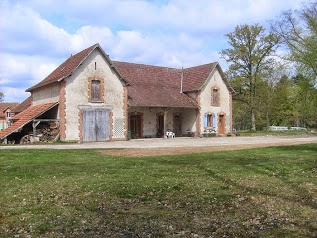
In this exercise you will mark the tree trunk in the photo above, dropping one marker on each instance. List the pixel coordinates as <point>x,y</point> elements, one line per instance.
<point>253,120</point>
<point>267,120</point>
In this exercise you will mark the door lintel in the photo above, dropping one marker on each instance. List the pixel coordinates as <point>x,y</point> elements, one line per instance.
<point>94,107</point>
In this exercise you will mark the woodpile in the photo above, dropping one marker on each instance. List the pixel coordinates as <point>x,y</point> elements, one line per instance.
<point>46,132</point>
<point>25,140</point>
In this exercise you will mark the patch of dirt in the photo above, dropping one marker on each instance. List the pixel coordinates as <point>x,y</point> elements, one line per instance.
<point>142,152</point>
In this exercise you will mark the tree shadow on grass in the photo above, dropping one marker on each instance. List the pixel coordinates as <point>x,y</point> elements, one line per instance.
<point>303,195</point>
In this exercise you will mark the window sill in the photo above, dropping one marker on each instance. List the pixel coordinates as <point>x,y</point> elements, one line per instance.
<point>97,101</point>
<point>210,129</point>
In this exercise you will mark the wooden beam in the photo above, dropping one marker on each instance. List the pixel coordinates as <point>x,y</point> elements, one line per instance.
<point>46,120</point>
<point>35,124</point>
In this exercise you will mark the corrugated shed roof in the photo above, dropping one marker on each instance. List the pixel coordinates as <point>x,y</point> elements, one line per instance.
<point>25,117</point>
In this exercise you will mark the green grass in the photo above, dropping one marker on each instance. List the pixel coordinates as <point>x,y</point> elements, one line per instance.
<point>277,133</point>
<point>267,192</point>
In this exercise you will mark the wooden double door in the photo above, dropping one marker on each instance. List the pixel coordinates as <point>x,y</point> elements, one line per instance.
<point>96,125</point>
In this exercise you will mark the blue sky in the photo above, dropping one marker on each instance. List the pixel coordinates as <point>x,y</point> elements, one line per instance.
<point>36,36</point>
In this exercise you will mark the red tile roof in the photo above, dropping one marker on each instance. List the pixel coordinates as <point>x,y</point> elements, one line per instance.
<point>66,68</point>
<point>5,105</point>
<point>152,96</point>
<point>69,66</point>
<point>152,86</point>
<point>156,86</point>
<point>23,105</point>
<point>25,117</point>
<point>195,77</point>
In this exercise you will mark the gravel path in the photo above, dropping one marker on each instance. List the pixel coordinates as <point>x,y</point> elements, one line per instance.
<point>185,143</point>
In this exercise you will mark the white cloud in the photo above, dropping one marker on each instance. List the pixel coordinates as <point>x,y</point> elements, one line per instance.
<point>192,16</point>
<point>174,51</point>
<point>25,31</point>
<point>88,35</point>
<point>24,70</point>
<point>15,66</point>
<point>36,36</point>
<point>40,72</point>
<point>14,94</point>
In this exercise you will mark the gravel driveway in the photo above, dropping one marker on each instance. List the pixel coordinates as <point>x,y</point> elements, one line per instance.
<point>185,144</point>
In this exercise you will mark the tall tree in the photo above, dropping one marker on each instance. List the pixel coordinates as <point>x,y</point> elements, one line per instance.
<point>298,31</point>
<point>283,103</point>
<point>249,55</point>
<point>1,96</point>
<point>305,95</point>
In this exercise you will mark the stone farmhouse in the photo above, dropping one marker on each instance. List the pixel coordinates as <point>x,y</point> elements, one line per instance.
<point>96,99</point>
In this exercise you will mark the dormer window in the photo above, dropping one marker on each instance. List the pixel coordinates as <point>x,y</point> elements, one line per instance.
<point>8,114</point>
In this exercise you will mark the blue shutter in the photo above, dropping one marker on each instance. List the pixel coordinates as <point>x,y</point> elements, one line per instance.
<point>214,120</point>
<point>205,121</point>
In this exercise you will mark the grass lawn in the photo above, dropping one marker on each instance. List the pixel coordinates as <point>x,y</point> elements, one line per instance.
<point>266,192</point>
<point>277,133</point>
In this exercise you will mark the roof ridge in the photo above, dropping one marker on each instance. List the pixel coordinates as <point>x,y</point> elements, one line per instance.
<point>144,64</point>
<point>92,47</point>
<point>167,67</point>
<point>201,65</point>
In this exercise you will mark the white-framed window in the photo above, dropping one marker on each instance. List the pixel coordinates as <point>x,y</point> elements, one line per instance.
<point>8,114</point>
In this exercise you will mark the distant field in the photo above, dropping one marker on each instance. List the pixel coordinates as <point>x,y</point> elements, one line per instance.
<point>264,192</point>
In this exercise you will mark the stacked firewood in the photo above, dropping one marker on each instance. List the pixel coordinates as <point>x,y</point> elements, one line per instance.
<point>47,132</point>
